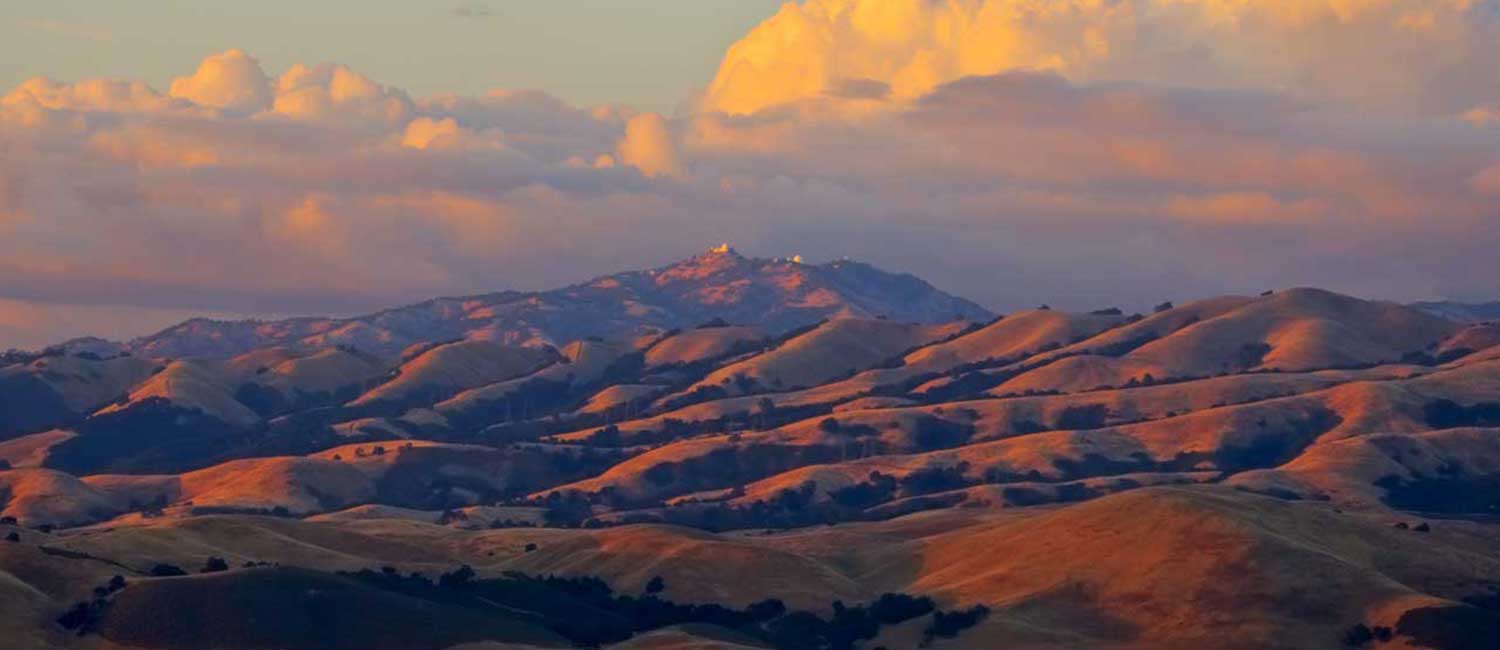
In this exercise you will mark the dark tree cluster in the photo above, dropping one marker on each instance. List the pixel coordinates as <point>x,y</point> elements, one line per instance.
<point>1447,414</point>
<point>586,611</point>
<point>947,625</point>
<point>84,616</point>
<point>1361,635</point>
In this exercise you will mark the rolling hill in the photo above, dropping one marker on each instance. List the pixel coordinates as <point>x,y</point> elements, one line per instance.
<point>1299,469</point>
<point>773,294</point>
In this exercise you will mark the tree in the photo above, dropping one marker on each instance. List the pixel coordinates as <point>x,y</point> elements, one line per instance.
<point>215,565</point>
<point>13,536</point>
<point>166,571</point>
<point>1079,418</point>
<point>457,579</point>
<point>948,624</point>
<point>656,585</point>
<point>1358,635</point>
<point>766,610</point>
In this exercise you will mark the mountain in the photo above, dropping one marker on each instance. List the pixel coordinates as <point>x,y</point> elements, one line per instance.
<point>773,294</point>
<point>1463,312</point>
<point>1299,469</point>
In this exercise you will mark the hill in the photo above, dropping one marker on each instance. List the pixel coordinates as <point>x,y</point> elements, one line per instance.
<point>1299,469</point>
<point>1463,312</point>
<point>773,294</point>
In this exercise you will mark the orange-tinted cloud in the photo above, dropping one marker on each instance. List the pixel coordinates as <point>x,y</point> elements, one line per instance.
<point>1431,53</point>
<point>231,80</point>
<point>320,190</point>
<point>327,90</point>
<point>649,147</point>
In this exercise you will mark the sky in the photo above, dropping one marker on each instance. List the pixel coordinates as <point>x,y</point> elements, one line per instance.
<point>163,159</point>
<point>653,54</point>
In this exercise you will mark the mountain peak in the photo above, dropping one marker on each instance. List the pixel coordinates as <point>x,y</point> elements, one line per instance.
<point>776,294</point>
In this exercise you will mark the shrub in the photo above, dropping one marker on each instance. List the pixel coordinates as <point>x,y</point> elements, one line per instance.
<point>13,536</point>
<point>933,433</point>
<point>166,571</point>
<point>929,480</point>
<point>1079,418</point>
<point>947,625</point>
<point>891,609</point>
<point>766,610</point>
<point>1251,355</point>
<point>215,565</point>
<point>458,578</point>
<point>1359,635</point>
<point>656,585</point>
<point>1447,414</point>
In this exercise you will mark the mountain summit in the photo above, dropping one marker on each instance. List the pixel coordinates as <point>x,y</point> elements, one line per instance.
<point>775,294</point>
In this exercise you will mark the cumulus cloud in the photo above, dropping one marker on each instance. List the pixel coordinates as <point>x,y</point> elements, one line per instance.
<point>232,81</point>
<point>328,90</point>
<point>1012,151</point>
<point>649,147</point>
<point>1400,54</point>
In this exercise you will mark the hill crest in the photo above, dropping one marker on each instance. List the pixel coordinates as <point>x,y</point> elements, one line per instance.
<point>774,294</point>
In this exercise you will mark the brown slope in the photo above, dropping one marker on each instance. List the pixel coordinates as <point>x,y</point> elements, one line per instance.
<point>702,344</point>
<point>1295,330</point>
<point>580,363</point>
<point>1016,335</point>
<point>1191,426</point>
<point>1458,468</point>
<point>44,496</point>
<point>1178,567</point>
<point>405,473</point>
<point>840,347</point>
<point>1474,338</point>
<point>207,386</point>
<point>83,384</point>
<point>324,370</point>
<point>448,369</point>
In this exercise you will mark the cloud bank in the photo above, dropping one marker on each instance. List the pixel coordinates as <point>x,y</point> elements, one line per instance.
<point>1084,153</point>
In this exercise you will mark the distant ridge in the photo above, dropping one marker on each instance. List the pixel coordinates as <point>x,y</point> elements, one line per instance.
<point>1463,312</point>
<point>774,294</point>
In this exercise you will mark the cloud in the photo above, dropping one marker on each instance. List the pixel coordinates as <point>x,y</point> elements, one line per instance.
<point>1487,182</point>
<point>1079,178</point>
<point>1432,54</point>
<point>328,90</point>
<point>104,95</point>
<point>649,147</point>
<point>10,201</point>
<point>231,81</point>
